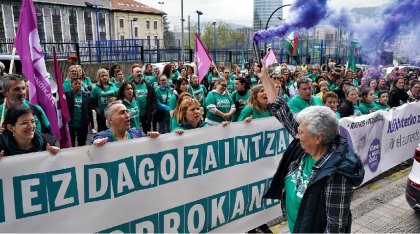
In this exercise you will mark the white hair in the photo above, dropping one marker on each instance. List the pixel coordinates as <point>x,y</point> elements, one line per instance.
<point>319,120</point>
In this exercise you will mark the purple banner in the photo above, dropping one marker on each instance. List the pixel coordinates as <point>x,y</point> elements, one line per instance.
<point>202,58</point>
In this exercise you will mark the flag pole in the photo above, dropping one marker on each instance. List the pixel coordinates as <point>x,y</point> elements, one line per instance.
<point>12,61</point>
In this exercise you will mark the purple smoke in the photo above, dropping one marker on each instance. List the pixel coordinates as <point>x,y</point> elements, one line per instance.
<point>342,19</point>
<point>308,13</point>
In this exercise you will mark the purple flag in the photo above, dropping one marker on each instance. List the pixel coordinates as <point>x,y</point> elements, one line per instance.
<point>270,58</point>
<point>33,64</point>
<point>202,58</point>
<point>62,109</point>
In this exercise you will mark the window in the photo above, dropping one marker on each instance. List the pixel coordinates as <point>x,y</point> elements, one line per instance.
<point>88,26</point>
<point>102,26</point>
<point>2,31</point>
<point>147,24</point>
<point>56,21</point>
<point>155,24</point>
<point>16,14</point>
<point>121,37</point>
<point>121,23</point>
<point>73,26</point>
<point>156,41</point>
<point>148,41</point>
<point>136,32</point>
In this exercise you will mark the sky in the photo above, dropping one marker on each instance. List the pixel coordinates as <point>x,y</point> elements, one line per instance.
<point>233,11</point>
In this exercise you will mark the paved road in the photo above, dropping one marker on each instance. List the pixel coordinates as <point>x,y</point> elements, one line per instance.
<point>379,206</point>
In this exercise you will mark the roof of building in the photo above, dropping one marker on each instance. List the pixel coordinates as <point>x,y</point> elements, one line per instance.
<point>134,6</point>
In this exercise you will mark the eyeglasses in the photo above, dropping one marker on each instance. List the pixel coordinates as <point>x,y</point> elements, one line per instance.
<point>276,78</point>
<point>227,72</point>
<point>28,123</point>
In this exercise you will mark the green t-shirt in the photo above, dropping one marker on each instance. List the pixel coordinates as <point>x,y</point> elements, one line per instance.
<point>76,116</point>
<point>212,78</point>
<point>380,106</point>
<point>41,124</point>
<point>103,95</point>
<point>295,185</point>
<point>297,104</point>
<point>86,82</point>
<point>172,101</point>
<point>134,111</point>
<point>163,96</point>
<point>231,85</point>
<point>130,78</point>
<point>175,74</point>
<point>241,99</point>
<point>367,108</point>
<point>357,111</point>
<point>116,83</point>
<point>254,81</point>
<point>198,93</point>
<point>248,111</point>
<point>67,84</point>
<point>223,102</point>
<point>153,81</point>
<point>141,97</point>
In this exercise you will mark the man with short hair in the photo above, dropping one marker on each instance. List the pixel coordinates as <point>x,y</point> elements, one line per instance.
<point>118,120</point>
<point>80,109</point>
<point>14,91</point>
<point>304,98</point>
<point>145,97</point>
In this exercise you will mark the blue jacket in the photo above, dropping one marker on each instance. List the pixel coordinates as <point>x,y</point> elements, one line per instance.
<point>134,133</point>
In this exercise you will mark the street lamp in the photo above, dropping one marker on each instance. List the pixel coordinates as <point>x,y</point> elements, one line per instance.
<point>214,41</point>
<point>198,14</point>
<point>88,4</point>
<point>131,24</point>
<point>268,21</point>
<point>161,23</point>
<point>161,4</point>
<point>182,29</point>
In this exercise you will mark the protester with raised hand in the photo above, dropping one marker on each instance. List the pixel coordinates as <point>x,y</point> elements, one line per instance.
<point>219,104</point>
<point>118,121</point>
<point>80,108</point>
<point>317,163</point>
<point>102,94</point>
<point>20,135</point>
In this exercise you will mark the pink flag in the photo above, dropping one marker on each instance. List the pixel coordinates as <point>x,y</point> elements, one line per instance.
<point>270,58</point>
<point>62,110</point>
<point>202,58</point>
<point>33,64</point>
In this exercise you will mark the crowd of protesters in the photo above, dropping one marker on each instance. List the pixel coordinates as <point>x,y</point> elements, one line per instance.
<point>157,102</point>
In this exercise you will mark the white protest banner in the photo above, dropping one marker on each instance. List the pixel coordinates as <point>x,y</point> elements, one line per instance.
<point>383,139</point>
<point>207,180</point>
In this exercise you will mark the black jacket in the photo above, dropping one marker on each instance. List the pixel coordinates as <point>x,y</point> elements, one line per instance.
<point>346,109</point>
<point>151,100</point>
<point>87,116</point>
<point>397,97</point>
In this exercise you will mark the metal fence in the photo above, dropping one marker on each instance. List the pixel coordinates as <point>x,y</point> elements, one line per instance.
<point>153,51</point>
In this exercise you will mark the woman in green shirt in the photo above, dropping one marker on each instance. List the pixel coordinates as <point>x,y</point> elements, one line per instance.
<point>212,77</point>
<point>163,94</point>
<point>188,115</point>
<point>128,97</point>
<point>257,105</point>
<point>181,86</point>
<point>102,94</point>
<point>240,96</point>
<point>149,76</point>
<point>86,81</point>
<point>366,104</point>
<point>72,72</point>
<point>382,104</point>
<point>119,78</point>
<point>219,104</point>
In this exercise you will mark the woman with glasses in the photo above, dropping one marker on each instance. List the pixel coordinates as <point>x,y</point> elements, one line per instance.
<point>220,106</point>
<point>20,135</point>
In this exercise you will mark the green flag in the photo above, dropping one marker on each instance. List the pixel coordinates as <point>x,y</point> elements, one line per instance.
<point>351,62</point>
<point>291,46</point>
<point>243,61</point>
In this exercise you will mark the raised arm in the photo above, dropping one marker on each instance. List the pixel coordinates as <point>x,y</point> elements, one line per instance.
<point>277,105</point>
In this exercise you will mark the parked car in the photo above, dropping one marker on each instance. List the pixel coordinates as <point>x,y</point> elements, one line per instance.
<point>412,193</point>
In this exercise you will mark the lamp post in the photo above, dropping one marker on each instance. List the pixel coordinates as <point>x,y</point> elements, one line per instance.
<point>131,24</point>
<point>268,21</point>
<point>98,54</point>
<point>198,14</point>
<point>161,4</point>
<point>182,29</point>
<point>189,32</point>
<point>214,41</point>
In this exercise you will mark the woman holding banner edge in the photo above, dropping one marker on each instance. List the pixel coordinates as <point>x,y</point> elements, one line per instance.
<point>318,171</point>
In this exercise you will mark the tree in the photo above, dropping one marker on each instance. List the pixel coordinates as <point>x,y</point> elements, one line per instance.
<point>168,36</point>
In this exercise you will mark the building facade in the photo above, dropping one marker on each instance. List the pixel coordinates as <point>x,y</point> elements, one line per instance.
<point>262,11</point>
<point>82,21</point>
